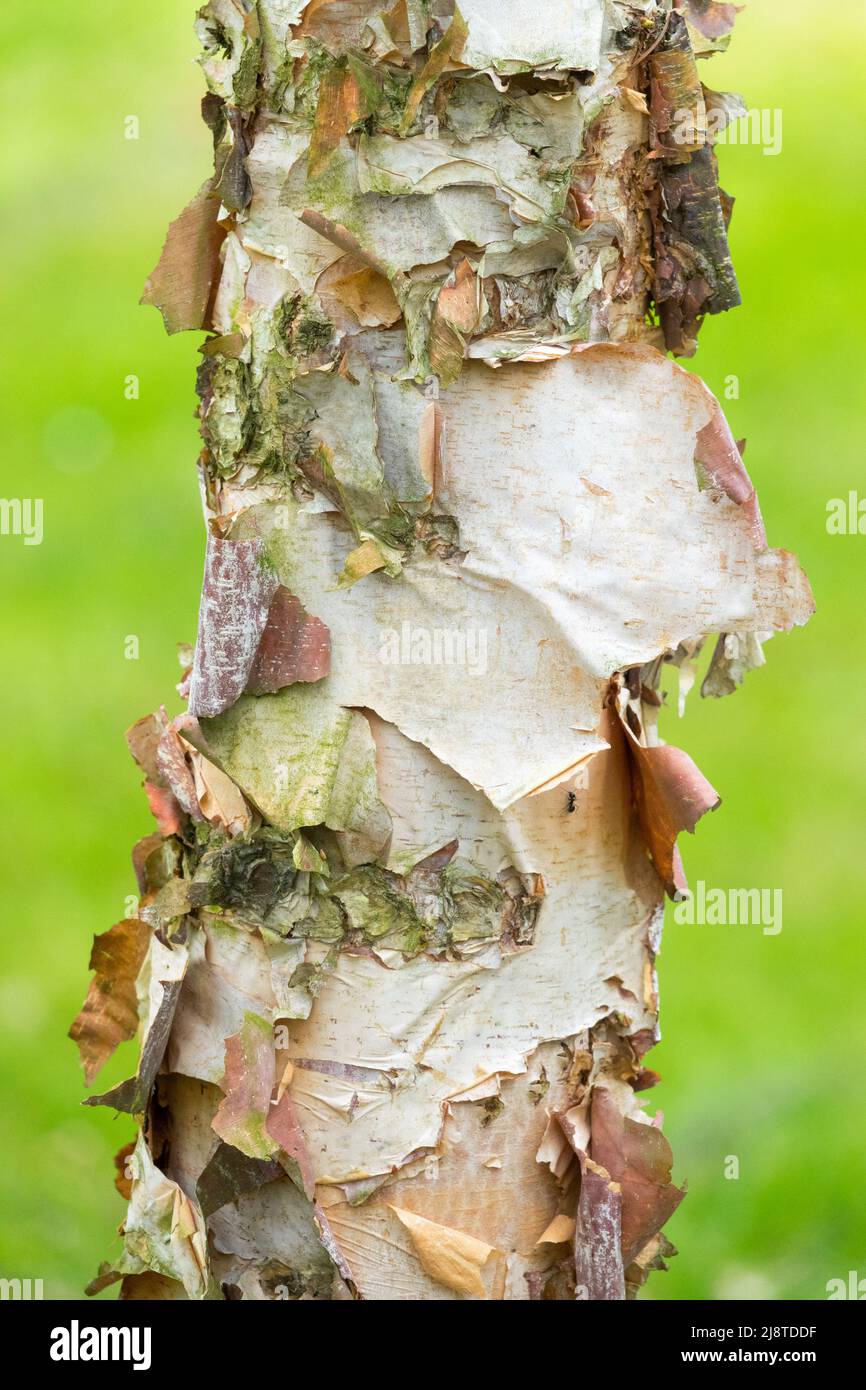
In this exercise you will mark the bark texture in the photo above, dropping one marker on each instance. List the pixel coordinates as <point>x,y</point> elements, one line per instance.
<point>394,964</point>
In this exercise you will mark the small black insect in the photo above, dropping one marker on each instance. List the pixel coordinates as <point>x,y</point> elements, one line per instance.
<point>571,804</point>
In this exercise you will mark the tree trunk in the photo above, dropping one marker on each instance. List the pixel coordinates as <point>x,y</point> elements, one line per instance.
<point>394,963</point>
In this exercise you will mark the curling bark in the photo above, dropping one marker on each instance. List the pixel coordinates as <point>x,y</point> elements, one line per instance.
<point>394,963</point>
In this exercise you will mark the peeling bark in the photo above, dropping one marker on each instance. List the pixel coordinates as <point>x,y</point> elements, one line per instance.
<point>394,962</point>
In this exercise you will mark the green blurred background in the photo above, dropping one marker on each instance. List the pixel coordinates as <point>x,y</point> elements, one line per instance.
<point>763,1057</point>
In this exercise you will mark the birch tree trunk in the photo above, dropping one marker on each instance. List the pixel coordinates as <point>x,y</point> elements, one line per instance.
<point>394,963</point>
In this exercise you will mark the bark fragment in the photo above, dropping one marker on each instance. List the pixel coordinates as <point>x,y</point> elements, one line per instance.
<point>110,1012</point>
<point>694,271</point>
<point>182,284</point>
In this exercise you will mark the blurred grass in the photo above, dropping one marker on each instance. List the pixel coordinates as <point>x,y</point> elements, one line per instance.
<point>764,1037</point>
